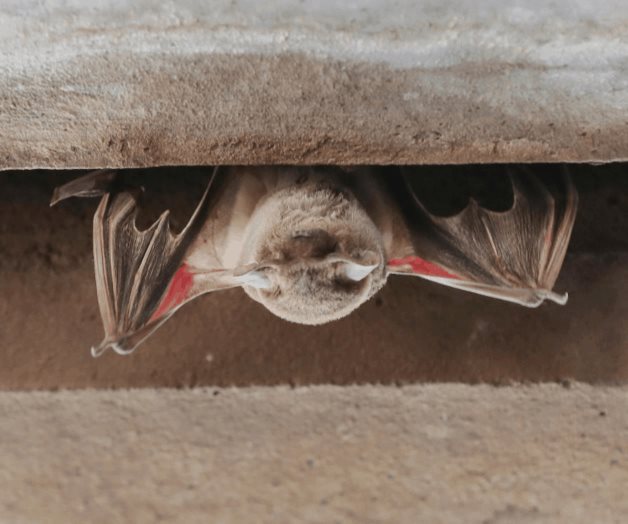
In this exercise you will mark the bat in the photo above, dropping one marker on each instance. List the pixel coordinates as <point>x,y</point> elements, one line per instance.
<point>313,243</point>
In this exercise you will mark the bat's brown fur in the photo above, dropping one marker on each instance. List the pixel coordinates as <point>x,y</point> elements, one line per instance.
<point>303,236</point>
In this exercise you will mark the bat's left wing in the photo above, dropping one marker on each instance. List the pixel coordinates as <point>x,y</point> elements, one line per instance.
<point>143,277</point>
<point>514,255</point>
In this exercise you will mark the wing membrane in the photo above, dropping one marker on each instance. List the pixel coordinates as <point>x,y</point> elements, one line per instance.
<point>514,255</point>
<point>142,277</point>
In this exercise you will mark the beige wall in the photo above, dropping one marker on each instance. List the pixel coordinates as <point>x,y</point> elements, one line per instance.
<point>85,83</point>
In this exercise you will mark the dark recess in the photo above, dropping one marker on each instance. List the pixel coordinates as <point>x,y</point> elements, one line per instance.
<point>413,331</point>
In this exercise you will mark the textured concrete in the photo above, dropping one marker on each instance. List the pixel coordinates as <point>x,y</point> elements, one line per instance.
<point>87,83</point>
<point>437,454</point>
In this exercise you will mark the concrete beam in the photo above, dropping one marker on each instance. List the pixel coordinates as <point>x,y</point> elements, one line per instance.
<point>446,453</point>
<point>116,83</point>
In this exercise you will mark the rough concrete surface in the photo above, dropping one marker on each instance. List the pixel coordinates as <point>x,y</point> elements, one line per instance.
<point>446,453</point>
<point>412,331</point>
<point>87,83</point>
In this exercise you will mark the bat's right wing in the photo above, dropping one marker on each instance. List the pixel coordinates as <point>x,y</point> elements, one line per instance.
<point>514,255</point>
<point>143,277</point>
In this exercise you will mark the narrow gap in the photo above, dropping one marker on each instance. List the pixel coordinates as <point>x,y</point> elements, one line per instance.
<point>414,331</point>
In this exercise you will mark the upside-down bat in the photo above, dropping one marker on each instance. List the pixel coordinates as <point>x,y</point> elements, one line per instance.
<point>314,243</point>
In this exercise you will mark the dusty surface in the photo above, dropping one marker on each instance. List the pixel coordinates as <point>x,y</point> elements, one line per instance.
<point>446,453</point>
<point>413,331</point>
<point>120,83</point>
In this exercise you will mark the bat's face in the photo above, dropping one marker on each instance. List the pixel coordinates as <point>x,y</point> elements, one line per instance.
<point>320,255</point>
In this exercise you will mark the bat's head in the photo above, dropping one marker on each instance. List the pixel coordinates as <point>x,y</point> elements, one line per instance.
<point>318,254</point>
<point>314,292</point>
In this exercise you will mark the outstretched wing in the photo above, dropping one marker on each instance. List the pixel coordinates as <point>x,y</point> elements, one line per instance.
<point>142,277</point>
<point>514,255</point>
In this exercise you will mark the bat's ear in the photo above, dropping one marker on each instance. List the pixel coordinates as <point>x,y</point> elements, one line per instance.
<point>357,270</point>
<point>256,279</point>
<point>253,275</point>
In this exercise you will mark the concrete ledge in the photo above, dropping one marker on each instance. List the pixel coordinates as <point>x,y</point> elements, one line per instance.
<point>126,84</point>
<point>444,453</point>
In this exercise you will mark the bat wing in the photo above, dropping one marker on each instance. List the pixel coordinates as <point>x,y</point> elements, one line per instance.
<point>514,255</point>
<point>142,277</point>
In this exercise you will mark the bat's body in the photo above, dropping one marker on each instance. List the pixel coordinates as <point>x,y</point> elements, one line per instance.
<point>313,244</point>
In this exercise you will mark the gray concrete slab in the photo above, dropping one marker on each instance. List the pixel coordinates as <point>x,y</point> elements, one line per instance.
<point>371,454</point>
<point>141,83</point>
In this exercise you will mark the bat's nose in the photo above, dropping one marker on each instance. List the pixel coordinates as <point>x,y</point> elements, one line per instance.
<point>312,243</point>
